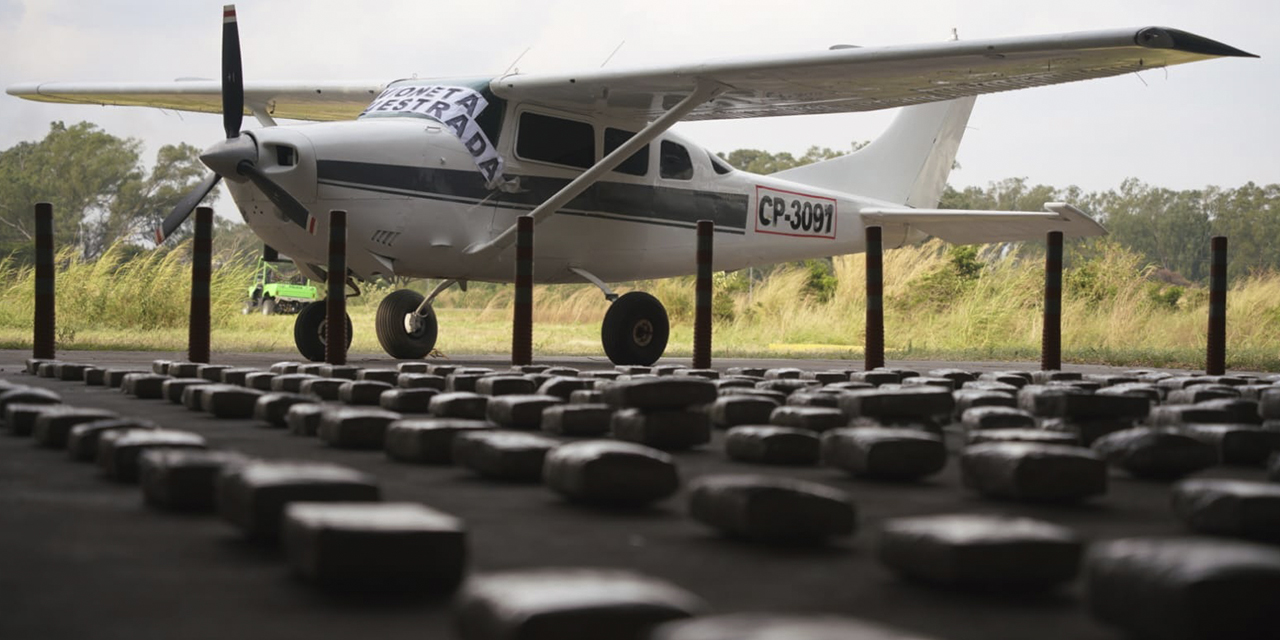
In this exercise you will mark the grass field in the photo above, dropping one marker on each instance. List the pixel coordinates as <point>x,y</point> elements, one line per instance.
<point>941,303</point>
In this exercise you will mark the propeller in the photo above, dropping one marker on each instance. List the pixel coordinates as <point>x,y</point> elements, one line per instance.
<point>185,206</point>
<point>283,200</point>
<point>232,76</point>
<point>233,158</point>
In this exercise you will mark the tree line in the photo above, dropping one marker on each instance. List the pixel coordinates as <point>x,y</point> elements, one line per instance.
<point>101,192</point>
<point>102,195</point>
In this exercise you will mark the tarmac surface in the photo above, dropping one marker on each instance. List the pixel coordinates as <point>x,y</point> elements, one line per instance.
<point>82,557</point>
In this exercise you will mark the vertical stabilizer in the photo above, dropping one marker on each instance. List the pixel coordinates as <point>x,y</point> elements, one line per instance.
<point>908,164</point>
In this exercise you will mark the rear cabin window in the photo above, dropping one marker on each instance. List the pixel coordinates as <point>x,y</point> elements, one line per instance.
<point>719,165</point>
<point>675,162</point>
<point>638,163</point>
<point>556,140</point>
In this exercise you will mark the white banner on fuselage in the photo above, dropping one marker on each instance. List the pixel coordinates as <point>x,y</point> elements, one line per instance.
<point>454,107</point>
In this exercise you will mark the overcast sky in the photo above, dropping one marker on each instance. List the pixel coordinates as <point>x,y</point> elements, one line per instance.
<point>1205,123</point>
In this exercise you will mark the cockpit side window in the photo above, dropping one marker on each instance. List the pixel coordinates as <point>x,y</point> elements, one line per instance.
<point>638,163</point>
<point>675,163</point>
<point>555,140</point>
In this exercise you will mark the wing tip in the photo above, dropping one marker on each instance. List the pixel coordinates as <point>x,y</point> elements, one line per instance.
<point>1179,40</point>
<point>24,90</point>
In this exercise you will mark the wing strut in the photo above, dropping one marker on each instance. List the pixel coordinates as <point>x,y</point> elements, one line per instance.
<point>703,92</point>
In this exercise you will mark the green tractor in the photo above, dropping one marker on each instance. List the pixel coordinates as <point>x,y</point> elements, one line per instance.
<point>272,292</point>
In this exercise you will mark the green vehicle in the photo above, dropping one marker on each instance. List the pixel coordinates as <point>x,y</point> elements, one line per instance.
<point>272,292</point>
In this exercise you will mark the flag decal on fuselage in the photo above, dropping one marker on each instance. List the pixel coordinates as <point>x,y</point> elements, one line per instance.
<point>454,107</point>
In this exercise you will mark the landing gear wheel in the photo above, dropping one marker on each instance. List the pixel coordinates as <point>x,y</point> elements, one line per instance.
<point>404,335</point>
<point>635,329</point>
<point>310,331</point>
<point>269,307</point>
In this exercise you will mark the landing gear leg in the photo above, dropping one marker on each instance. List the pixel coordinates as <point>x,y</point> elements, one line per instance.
<point>310,331</point>
<point>406,323</point>
<point>635,328</point>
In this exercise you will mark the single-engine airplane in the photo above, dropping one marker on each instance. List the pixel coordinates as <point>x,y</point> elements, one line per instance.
<point>434,172</point>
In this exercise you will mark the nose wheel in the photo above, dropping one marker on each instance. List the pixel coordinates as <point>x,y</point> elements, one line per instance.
<point>310,331</point>
<point>635,329</point>
<point>404,334</point>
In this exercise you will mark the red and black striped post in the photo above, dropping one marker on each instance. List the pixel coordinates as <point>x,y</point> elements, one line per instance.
<point>875,299</point>
<point>1216,358</point>
<point>335,345</point>
<point>702,297</point>
<point>1051,337</point>
<point>45,320</point>
<point>522,321</point>
<point>201,271</point>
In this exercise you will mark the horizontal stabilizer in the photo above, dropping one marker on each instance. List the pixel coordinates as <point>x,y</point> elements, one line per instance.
<point>959,226</point>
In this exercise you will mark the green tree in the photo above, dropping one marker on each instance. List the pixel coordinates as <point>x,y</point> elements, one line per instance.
<point>143,201</point>
<point>98,188</point>
<point>1010,194</point>
<point>1249,216</point>
<point>1169,228</point>
<point>763,162</point>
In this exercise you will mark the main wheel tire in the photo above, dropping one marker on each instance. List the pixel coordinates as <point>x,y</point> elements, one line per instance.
<point>310,331</point>
<point>393,326</point>
<point>269,307</point>
<point>635,329</point>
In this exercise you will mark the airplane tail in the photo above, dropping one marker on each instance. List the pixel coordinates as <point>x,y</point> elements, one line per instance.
<point>908,164</point>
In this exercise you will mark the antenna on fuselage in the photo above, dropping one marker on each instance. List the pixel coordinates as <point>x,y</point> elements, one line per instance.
<point>516,61</point>
<point>615,51</point>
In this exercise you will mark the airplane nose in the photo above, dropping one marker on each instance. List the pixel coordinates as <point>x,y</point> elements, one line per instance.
<point>224,158</point>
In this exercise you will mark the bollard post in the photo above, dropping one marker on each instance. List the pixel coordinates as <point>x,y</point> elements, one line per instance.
<point>1216,357</point>
<point>522,320</point>
<point>201,271</point>
<point>1051,337</point>
<point>703,296</point>
<point>875,299</point>
<point>335,346</point>
<point>45,320</point>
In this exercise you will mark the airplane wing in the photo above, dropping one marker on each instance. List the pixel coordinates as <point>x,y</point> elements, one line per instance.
<point>959,226</point>
<point>864,79</point>
<point>294,100</point>
<point>841,80</point>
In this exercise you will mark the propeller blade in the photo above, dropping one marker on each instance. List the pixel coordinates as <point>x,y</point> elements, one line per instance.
<point>185,206</point>
<point>283,200</point>
<point>232,79</point>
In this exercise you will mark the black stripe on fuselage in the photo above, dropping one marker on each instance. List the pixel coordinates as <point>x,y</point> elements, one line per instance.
<point>615,200</point>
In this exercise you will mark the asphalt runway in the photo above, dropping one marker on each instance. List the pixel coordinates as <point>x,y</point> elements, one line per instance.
<point>82,557</point>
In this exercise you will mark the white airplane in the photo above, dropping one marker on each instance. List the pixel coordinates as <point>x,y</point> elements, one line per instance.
<point>434,172</point>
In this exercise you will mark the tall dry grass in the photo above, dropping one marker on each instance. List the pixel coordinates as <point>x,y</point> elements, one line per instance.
<point>124,290</point>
